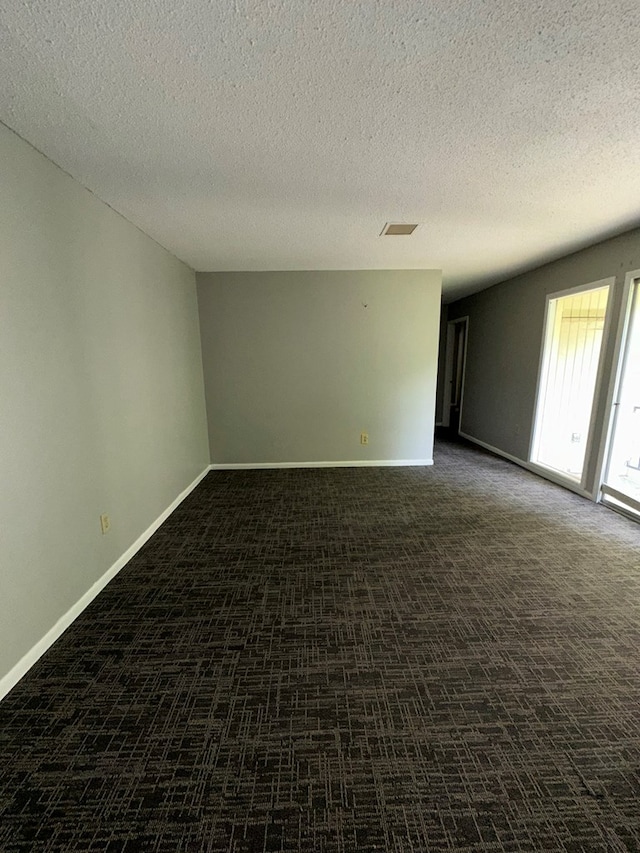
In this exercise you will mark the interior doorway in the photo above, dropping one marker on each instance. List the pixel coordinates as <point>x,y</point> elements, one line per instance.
<point>455,364</point>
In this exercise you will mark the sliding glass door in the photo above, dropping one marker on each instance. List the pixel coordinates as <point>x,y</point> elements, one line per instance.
<point>622,479</point>
<point>575,324</point>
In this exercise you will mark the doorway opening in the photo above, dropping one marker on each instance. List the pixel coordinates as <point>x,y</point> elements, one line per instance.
<point>570,366</point>
<point>455,364</point>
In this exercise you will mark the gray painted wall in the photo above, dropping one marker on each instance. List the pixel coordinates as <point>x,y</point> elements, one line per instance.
<point>298,364</point>
<point>101,387</point>
<point>505,340</point>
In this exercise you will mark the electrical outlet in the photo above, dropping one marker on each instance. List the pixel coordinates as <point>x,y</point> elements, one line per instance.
<point>364,438</point>
<point>105,523</point>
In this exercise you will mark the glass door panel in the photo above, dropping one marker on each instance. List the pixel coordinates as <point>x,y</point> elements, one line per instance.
<point>622,481</point>
<point>574,330</point>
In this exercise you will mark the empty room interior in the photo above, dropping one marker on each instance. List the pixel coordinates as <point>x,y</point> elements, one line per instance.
<point>320,426</point>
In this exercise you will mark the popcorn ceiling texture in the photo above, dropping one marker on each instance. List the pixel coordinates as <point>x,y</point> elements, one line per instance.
<point>273,135</point>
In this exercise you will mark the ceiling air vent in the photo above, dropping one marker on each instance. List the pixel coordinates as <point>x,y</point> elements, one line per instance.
<point>398,229</point>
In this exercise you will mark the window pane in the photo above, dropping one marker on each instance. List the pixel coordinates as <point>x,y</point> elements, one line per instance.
<point>575,327</point>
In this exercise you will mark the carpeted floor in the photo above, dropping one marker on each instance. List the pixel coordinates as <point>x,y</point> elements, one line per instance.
<point>423,659</point>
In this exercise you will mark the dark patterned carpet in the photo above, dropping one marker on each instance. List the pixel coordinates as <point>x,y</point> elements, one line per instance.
<point>431,659</point>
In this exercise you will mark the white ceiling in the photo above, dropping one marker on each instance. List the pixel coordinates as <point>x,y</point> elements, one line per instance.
<point>264,134</point>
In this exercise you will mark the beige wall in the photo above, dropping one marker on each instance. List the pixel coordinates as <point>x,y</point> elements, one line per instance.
<point>298,364</point>
<point>101,389</point>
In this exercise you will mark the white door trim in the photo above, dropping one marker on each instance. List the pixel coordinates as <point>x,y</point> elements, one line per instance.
<point>597,391</point>
<point>615,378</point>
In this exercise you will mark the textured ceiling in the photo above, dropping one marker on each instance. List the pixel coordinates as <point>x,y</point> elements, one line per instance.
<point>262,134</point>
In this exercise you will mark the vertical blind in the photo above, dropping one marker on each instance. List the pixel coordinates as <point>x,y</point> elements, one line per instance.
<point>575,325</point>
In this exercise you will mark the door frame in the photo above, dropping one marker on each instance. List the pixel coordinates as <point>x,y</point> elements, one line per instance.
<point>615,380</point>
<point>579,486</point>
<point>449,369</point>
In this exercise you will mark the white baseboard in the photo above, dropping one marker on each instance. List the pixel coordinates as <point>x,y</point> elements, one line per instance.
<point>358,463</point>
<point>27,661</point>
<point>495,450</point>
<point>530,466</point>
